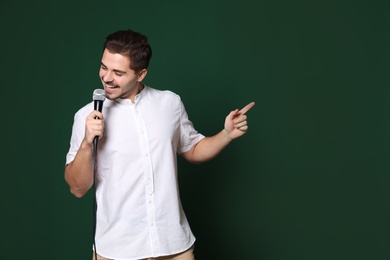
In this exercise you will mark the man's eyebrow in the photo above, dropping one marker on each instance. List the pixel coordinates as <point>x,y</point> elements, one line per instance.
<point>117,71</point>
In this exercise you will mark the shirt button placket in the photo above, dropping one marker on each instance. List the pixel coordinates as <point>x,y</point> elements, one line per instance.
<point>149,181</point>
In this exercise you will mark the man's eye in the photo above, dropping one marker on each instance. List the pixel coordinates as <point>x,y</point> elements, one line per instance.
<point>119,74</point>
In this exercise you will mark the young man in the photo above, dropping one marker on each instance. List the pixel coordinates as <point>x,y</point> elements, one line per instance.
<point>141,131</point>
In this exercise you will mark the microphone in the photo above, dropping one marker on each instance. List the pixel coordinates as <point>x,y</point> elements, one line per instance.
<point>98,97</point>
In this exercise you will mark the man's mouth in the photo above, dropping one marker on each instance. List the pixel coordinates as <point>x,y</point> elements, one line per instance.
<point>111,87</point>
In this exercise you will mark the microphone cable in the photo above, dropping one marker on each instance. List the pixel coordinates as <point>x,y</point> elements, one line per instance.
<point>94,155</point>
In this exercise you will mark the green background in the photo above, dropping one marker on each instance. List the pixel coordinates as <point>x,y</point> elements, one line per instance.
<point>310,180</point>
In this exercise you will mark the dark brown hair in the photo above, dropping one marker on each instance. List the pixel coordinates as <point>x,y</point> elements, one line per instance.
<point>131,44</point>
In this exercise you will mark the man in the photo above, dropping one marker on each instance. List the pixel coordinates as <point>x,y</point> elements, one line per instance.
<point>141,131</point>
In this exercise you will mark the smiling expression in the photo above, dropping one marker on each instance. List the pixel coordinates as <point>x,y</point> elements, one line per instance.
<point>118,79</point>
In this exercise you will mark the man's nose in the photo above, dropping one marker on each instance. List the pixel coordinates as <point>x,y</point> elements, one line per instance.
<point>108,77</point>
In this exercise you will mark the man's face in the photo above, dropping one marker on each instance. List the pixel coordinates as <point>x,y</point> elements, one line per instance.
<point>119,81</point>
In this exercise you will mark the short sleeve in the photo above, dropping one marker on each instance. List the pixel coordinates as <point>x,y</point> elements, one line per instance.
<point>189,137</point>
<point>78,131</point>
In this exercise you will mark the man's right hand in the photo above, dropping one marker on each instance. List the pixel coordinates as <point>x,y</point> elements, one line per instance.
<point>94,127</point>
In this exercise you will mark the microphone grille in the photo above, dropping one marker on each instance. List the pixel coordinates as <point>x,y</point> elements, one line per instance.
<point>99,94</point>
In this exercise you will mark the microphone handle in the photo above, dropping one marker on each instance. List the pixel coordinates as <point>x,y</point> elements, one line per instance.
<point>95,143</point>
<point>98,105</point>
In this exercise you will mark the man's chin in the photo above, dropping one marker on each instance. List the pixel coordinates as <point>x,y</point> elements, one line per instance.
<point>112,96</point>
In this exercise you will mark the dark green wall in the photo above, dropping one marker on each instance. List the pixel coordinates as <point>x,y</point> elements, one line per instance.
<point>309,181</point>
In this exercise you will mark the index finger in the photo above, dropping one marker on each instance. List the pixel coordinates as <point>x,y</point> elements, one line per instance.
<point>96,114</point>
<point>246,108</point>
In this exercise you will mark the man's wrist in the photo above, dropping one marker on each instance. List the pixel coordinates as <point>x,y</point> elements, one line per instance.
<point>226,135</point>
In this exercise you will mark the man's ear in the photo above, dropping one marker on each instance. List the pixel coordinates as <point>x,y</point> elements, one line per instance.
<point>142,74</point>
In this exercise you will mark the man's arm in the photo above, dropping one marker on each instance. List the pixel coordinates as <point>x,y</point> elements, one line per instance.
<point>236,125</point>
<point>79,173</point>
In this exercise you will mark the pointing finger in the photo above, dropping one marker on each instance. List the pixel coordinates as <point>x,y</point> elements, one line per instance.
<point>246,108</point>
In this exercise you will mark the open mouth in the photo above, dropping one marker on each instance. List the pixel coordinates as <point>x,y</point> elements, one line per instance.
<point>110,89</point>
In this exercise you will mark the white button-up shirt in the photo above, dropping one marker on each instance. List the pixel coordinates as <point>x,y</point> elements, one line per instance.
<point>139,213</point>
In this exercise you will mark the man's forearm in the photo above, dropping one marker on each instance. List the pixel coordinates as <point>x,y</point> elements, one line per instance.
<point>79,173</point>
<point>208,148</point>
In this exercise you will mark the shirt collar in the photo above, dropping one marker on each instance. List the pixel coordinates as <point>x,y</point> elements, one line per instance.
<point>126,101</point>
